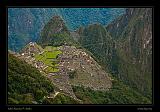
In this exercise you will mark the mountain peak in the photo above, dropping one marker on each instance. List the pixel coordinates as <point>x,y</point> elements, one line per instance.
<point>53,28</point>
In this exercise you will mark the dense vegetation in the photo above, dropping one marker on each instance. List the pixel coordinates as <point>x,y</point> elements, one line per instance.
<point>55,33</point>
<point>61,99</point>
<point>98,41</point>
<point>124,48</point>
<point>118,94</point>
<point>62,38</point>
<point>134,49</point>
<point>25,83</point>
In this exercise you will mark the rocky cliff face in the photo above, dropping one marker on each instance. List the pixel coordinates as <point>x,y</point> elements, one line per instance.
<point>134,46</point>
<point>125,47</point>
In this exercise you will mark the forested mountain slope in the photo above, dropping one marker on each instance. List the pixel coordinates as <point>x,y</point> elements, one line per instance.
<point>134,48</point>
<point>26,84</point>
<point>55,33</point>
<point>124,47</point>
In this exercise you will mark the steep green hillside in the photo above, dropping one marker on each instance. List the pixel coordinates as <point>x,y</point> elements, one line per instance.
<point>97,40</point>
<point>61,99</point>
<point>25,83</point>
<point>118,94</point>
<point>27,86</point>
<point>124,47</point>
<point>55,33</point>
<point>134,49</point>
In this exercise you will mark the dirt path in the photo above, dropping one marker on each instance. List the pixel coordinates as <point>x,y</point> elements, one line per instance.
<point>56,94</point>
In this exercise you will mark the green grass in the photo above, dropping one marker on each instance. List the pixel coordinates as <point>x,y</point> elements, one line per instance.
<point>48,57</point>
<point>51,69</point>
<point>38,56</point>
<point>53,54</point>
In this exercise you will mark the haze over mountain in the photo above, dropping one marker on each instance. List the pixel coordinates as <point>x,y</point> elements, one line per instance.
<point>25,24</point>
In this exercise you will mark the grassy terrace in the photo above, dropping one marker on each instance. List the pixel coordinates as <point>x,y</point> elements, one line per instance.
<point>48,56</point>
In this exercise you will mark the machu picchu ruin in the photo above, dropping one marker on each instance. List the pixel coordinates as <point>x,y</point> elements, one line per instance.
<point>57,63</point>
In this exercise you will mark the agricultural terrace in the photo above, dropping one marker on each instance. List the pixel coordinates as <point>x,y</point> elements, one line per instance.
<point>49,58</point>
